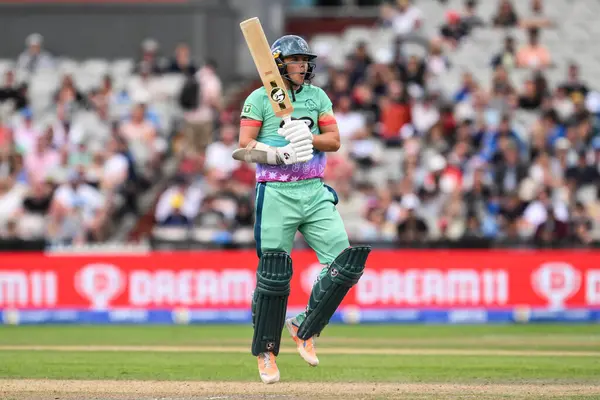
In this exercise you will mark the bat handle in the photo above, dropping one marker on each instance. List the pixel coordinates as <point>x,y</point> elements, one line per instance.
<point>287,119</point>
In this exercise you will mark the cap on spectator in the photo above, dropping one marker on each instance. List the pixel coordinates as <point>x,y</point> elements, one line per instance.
<point>177,200</point>
<point>35,39</point>
<point>150,45</point>
<point>452,16</point>
<point>410,201</point>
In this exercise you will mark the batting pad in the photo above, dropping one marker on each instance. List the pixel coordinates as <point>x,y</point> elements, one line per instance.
<point>329,291</point>
<point>269,303</point>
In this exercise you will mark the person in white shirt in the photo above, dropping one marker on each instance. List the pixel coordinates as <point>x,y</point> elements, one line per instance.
<point>218,153</point>
<point>78,211</point>
<point>408,18</point>
<point>115,169</point>
<point>349,122</point>
<point>425,114</point>
<point>189,196</point>
<point>34,57</point>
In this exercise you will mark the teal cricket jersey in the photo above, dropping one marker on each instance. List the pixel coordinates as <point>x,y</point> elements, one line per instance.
<point>312,106</point>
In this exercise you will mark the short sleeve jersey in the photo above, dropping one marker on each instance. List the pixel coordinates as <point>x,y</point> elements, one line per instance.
<point>311,105</point>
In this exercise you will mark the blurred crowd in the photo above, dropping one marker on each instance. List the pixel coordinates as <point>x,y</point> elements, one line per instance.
<point>425,158</point>
<point>420,163</point>
<point>81,142</point>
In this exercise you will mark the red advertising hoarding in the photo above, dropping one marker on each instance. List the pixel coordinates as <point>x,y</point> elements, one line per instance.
<point>222,280</point>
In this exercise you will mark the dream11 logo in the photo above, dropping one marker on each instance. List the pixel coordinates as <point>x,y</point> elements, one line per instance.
<point>100,284</point>
<point>557,282</point>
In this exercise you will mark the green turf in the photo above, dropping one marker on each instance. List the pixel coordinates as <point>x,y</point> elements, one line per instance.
<point>197,334</point>
<point>237,366</point>
<point>504,337</point>
<point>149,365</point>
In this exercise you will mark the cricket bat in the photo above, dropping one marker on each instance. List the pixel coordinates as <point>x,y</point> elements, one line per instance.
<point>267,68</point>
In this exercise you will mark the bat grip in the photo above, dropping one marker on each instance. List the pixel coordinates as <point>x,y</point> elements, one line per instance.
<point>287,119</point>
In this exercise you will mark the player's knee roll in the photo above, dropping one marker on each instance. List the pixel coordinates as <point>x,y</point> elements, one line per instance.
<point>270,301</point>
<point>328,293</point>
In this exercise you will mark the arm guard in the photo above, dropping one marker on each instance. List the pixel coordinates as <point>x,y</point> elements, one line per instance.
<point>259,153</point>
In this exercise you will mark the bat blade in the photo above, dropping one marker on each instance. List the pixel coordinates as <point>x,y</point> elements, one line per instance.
<point>260,50</point>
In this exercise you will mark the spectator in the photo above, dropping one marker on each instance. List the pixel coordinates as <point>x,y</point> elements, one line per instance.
<point>218,154</point>
<point>506,16</point>
<point>507,57</point>
<point>181,199</point>
<point>412,229</point>
<point>468,87</point>
<point>150,62</point>
<point>182,62</point>
<point>395,114</point>
<point>26,133</point>
<point>34,57</point>
<point>536,19</point>
<point>413,72</point>
<point>205,93</point>
<point>350,122</point>
<point>78,211</point>
<point>533,55</point>
<point>437,63</point>
<point>145,87</point>
<point>408,18</point>
<point>454,29</point>
<point>573,83</point>
<point>11,92</point>
<point>42,159</point>
<point>68,95</point>
<point>469,17</point>
<point>140,133</point>
<point>361,60</point>
<point>530,99</point>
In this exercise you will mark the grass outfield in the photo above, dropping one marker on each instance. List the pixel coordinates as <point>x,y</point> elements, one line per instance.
<point>408,362</point>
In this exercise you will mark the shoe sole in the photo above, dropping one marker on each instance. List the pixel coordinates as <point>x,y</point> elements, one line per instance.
<point>269,380</point>
<point>303,354</point>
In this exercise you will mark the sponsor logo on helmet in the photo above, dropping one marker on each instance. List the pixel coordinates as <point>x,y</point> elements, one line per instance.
<point>278,94</point>
<point>303,45</point>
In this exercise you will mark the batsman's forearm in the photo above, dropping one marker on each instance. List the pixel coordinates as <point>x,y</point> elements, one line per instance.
<point>328,141</point>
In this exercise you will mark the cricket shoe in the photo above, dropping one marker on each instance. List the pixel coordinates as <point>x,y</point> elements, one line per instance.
<point>267,368</point>
<point>306,348</point>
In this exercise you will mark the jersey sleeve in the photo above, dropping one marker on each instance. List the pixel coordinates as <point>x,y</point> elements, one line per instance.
<point>326,115</point>
<point>253,110</point>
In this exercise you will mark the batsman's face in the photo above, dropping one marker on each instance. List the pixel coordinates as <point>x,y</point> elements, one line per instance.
<point>296,68</point>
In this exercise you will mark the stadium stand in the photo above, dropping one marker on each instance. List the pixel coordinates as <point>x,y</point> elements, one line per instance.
<point>84,143</point>
<point>464,123</point>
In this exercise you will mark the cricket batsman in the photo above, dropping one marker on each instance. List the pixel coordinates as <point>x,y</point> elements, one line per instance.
<point>291,197</point>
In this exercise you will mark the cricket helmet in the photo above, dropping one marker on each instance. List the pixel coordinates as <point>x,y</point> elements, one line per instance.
<point>292,45</point>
